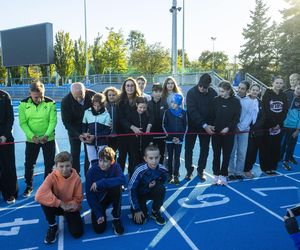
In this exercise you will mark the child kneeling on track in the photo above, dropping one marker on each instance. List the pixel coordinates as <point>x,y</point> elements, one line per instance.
<point>147,183</point>
<point>291,225</point>
<point>61,194</point>
<point>104,182</point>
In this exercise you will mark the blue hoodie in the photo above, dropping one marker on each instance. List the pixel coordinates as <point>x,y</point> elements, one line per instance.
<point>105,180</point>
<point>293,117</point>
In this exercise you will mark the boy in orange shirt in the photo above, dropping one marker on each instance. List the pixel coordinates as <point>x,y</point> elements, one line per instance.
<point>61,194</point>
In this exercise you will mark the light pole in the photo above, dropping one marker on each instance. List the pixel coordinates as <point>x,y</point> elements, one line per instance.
<point>174,10</point>
<point>213,52</point>
<point>182,51</point>
<point>86,46</point>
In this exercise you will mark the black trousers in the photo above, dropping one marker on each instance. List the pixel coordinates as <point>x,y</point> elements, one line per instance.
<point>255,145</point>
<point>75,145</point>
<point>113,143</point>
<point>73,219</point>
<point>161,144</point>
<point>124,150</point>
<point>270,153</point>
<point>31,154</point>
<point>288,144</point>
<point>190,140</point>
<point>222,144</point>
<point>156,194</point>
<point>8,176</point>
<point>174,150</point>
<point>113,196</point>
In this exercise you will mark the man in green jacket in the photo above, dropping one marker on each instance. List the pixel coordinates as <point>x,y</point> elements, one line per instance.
<point>38,119</point>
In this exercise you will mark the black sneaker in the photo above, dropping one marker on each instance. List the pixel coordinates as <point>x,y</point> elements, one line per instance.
<point>118,227</point>
<point>188,176</point>
<point>202,176</point>
<point>293,161</point>
<point>27,192</point>
<point>231,177</point>
<point>158,218</point>
<point>176,180</point>
<point>239,177</point>
<point>51,234</point>
<point>286,166</point>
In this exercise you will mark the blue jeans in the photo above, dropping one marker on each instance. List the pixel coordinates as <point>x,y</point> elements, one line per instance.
<point>238,154</point>
<point>174,150</point>
<point>288,144</point>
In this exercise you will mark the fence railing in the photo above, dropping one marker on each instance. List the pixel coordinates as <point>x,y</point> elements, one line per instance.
<point>251,79</point>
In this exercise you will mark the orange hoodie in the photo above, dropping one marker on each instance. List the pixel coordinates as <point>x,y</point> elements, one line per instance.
<point>56,188</point>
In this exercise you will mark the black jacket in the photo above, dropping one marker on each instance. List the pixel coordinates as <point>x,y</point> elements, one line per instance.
<point>124,109</point>
<point>6,115</point>
<point>156,111</point>
<point>275,108</point>
<point>225,113</point>
<point>72,112</point>
<point>197,107</point>
<point>256,129</point>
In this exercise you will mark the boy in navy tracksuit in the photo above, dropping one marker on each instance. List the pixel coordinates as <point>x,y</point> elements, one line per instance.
<point>175,120</point>
<point>147,183</point>
<point>104,182</point>
<point>291,126</point>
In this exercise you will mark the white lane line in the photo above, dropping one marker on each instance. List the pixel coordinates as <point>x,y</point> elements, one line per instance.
<point>17,208</point>
<point>291,205</point>
<point>115,236</point>
<point>291,178</point>
<point>29,248</point>
<point>14,208</point>
<point>179,229</point>
<point>35,174</point>
<point>224,217</point>
<point>253,201</point>
<point>298,157</point>
<point>60,244</point>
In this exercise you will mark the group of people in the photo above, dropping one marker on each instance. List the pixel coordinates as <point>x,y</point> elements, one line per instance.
<point>150,131</point>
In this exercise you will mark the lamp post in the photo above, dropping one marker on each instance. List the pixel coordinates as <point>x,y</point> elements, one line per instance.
<point>213,52</point>
<point>86,46</point>
<point>182,51</point>
<point>174,10</point>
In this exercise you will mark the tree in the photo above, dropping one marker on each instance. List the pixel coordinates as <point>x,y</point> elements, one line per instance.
<point>290,39</point>
<point>220,61</point>
<point>97,60</point>
<point>256,54</point>
<point>64,54</point>
<point>179,60</point>
<point>151,59</point>
<point>113,53</point>
<point>34,71</point>
<point>3,71</point>
<point>135,40</point>
<point>79,57</point>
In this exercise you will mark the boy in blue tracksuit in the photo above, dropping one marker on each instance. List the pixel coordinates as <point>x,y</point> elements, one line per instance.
<point>147,183</point>
<point>291,127</point>
<point>104,182</point>
<point>175,121</point>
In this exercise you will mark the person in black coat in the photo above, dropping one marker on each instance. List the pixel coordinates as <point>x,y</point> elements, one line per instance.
<point>156,108</point>
<point>198,100</point>
<point>225,115</point>
<point>8,176</point>
<point>73,106</point>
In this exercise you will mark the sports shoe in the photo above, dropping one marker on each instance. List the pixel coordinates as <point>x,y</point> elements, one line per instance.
<point>171,180</point>
<point>188,176</point>
<point>286,166</point>
<point>249,175</point>
<point>232,177</point>
<point>223,180</point>
<point>117,226</point>
<point>158,218</point>
<point>27,192</point>
<point>176,180</point>
<point>239,177</point>
<point>11,200</point>
<point>215,180</point>
<point>202,176</point>
<point>51,234</point>
<point>293,161</point>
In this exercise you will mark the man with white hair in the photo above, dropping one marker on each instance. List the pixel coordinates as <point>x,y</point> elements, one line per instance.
<point>73,106</point>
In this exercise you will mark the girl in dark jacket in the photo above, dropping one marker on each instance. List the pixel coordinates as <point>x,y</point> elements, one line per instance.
<point>275,107</point>
<point>126,104</point>
<point>139,121</point>
<point>225,115</point>
<point>255,133</point>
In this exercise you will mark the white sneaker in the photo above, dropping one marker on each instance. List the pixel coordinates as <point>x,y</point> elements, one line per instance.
<point>215,180</point>
<point>223,180</point>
